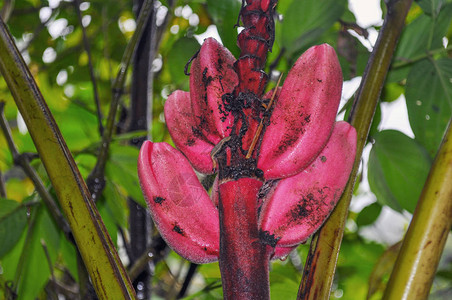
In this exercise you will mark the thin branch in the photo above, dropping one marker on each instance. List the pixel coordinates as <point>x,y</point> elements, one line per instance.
<point>406,62</point>
<point>96,180</point>
<point>162,28</point>
<point>7,9</point>
<point>49,261</point>
<point>2,186</point>
<point>126,241</point>
<point>60,288</point>
<point>141,263</point>
<point>154,253</point>
<point>276,61</point>
<point>90,67</point>
<point>188,278</point>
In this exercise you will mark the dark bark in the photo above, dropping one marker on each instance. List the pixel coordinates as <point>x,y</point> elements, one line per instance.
<point>140,223</point>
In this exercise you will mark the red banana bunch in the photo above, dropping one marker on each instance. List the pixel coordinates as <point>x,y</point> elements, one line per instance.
<point>282,159</point>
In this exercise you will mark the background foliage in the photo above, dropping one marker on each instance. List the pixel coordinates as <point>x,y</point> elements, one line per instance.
<point>37,261</point>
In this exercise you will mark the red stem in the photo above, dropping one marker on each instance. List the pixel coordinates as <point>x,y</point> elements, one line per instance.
<point>244,256</point>
<point>245,251</point>
<point>255,40</point>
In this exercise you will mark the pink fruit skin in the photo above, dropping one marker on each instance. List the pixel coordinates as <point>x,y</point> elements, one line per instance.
<point>179,205</point>
<point>182,128</point>
<point>297,206</point>
<point>303,115</point>
<point>213,75</point>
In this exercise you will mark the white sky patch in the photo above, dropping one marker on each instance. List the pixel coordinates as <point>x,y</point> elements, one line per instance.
<point>211,31</point>
<point>84,6</point>
<point>394,115</point>
<point>54,3</point>
<point>21,124</point>
<point>368,13</point>
<point>56,28</point>
<point>186,12</point>
<point>161,14</point>
<point>86,20</point>
<point>69,90</point>
<point>45,13</point>
<point>157,64</point>
<point>178,11</point>
<point>49,55</point>
<point>389,227</point>
<point>349,87</point>
<point>174,29</point>
<point>61,77</point>
<point>193,20</point>
<point>127,25</point>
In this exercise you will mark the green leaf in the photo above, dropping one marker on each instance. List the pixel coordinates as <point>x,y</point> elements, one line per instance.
<point>382,271</point>
<point>423,34</point>
<point>391,91</point>
<point>431,7</point>
<point>224,14</point>
<point>284,280</point>
<point>183,49</point>
<point>375,122</point>
<point>78,126</point>
<point>398,168</point>
<point>305,21</point>
<point>369,214</point>
<point>69,257</point>
<point>13,219</point>
<point>355,264</point>
<point>110,223</point>
<point>116,204</point>
<point>429,101</point>
<point>121,169</point>
<point>35,271</point>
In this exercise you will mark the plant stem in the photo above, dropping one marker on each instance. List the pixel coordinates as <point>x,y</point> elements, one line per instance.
<point>244,256</point>
<point>424,241</point>
<point>322,258</point>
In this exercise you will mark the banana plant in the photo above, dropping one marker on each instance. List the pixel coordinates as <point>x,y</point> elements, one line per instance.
<point>280,158</point>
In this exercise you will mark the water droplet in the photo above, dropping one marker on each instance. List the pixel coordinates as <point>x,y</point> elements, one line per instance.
<point>284,258</point>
